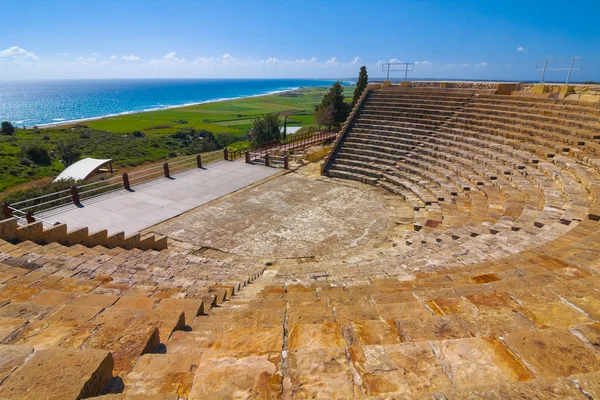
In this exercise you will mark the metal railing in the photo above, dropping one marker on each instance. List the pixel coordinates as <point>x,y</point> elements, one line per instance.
<point>24,210</point>
<point>297,142</point>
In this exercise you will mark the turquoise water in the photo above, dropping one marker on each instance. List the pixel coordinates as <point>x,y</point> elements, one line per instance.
<point>29,103</point>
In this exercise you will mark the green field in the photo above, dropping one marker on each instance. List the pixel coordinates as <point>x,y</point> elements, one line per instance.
<point>233,116</point>
<point>112,137</point>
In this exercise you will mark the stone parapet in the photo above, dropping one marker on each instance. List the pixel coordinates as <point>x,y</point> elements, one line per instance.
<point>35,232</point>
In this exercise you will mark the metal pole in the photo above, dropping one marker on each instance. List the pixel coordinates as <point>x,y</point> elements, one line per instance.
<point>544,71</point>
<point>570,69</point>
<point>388,72</point>
<point>405,71</point>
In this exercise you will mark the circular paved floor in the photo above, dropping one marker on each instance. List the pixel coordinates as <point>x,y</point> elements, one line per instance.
<point>289,216</point>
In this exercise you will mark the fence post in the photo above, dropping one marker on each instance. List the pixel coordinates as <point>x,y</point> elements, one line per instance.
<point>29,217</point>
<point>267,161</point>
<point>199,161</point>
<point>75,195</point>
<point>166,168</point>
<point>286,162</point>
<point>126,181</point>
<point>226,154</point>
<point>6,210</point>
<point>247,157</point>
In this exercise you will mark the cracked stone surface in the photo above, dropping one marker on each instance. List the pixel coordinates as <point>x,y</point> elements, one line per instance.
<point>291,216</point>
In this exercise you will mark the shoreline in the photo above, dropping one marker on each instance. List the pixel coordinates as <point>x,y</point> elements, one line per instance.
<point>77,121</point>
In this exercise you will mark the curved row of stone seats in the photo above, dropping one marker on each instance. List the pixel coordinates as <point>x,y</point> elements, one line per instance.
<point>558,205</point>
<point>578,142</point>
<point>342,149</point>
<point>93,312</point>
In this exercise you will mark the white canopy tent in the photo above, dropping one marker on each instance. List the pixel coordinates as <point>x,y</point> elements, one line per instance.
<point>83,169</point>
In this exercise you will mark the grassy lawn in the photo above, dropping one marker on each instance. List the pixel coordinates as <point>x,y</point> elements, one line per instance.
<point>111,137</point>
<point>234,116</point>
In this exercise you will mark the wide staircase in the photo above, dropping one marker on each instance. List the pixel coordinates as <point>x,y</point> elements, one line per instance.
<point>493,292</point>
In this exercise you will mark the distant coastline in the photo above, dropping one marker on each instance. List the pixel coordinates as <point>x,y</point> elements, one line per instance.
<point>77,121</point>
<point>65,102</point>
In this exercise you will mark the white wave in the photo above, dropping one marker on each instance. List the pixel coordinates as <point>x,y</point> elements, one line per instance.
<point>59,119</point>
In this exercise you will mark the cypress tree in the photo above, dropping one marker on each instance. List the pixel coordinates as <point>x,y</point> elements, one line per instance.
<point>335,97</point>
<point>361,84</point>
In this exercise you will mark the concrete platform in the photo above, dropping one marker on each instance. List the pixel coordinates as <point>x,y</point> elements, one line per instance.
<point>159,200</point>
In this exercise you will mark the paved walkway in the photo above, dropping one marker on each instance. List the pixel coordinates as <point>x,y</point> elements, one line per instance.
<point>159,200</point>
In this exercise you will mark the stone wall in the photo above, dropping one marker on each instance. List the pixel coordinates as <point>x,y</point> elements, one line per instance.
<point>579,92</point>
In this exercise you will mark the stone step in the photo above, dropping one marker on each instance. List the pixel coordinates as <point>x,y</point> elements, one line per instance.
<point>55,373</point>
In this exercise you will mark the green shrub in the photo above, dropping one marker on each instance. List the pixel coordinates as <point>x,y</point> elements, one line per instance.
<point>38,155</point>
<point>7,128</point>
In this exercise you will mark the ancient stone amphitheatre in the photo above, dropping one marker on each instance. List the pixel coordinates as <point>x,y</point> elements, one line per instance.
<point>446,248</point>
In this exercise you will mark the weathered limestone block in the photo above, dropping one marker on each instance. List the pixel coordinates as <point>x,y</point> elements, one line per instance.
<point>8,229</point>
<point>56,233</point>
<point>11,357</point>
<point>96,239</point>
<point>60,374</point>
<point>33,232</point>
<point>224,377</point>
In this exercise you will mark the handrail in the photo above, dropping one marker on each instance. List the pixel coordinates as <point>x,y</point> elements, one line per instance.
<point>44,203</point>
<point>144,170</point>
<point>98,182</point>
<point>41,197</point>
<point>144,176</point>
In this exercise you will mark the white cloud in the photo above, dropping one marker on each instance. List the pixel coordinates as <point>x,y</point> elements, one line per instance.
<point>17,52</point>
<point>521,48</point>
<point>227,56</point>
<point>62,54</point>
<point>355,61</point>
<point>113,57</point>
<point>130,58</point>
<point>84,60</point>
<point>172,58</point>
<point>482,64</point>
<point>422,63</point>
<point>331,62</point>
<point>465,65</point>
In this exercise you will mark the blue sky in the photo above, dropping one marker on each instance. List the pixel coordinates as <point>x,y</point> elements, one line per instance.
<point>482,39</point>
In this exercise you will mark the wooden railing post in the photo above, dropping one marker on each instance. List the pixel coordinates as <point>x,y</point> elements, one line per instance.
<point>75,195</point>
<point>286,162</point>
<point>6,210</point>
<point>166,168</point>
<point>247,157</point>
<point>226,154</point>
<point>267,161</point>
<point>199,161</point>
<point>126,181</point>
<point>29,217</point>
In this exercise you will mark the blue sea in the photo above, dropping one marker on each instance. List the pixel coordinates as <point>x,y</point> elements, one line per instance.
<point>29,103</point>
